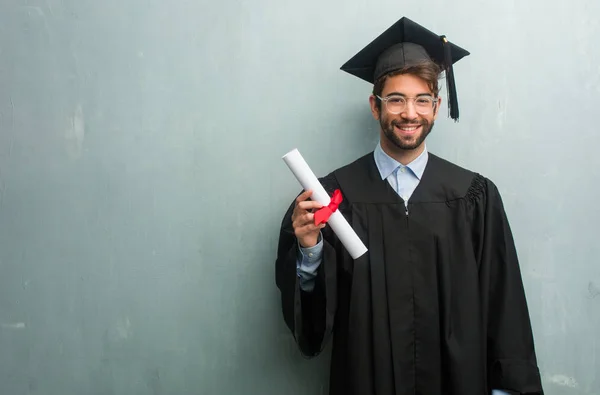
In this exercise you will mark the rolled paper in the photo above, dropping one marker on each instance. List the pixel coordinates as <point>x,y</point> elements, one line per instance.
<point>338,223</point>
<point>322,215</point>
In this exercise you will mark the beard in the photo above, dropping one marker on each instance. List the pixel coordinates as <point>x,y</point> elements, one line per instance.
<point>405,142</point>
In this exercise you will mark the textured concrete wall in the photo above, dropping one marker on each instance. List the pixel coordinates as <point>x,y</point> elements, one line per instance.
<point>141,185</point>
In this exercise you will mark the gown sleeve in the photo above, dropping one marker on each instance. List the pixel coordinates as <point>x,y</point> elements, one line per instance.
<point>512,363</point>
<point>308,315</point>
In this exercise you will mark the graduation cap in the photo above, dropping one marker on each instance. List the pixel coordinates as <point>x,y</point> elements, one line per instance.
<point>403,44</point>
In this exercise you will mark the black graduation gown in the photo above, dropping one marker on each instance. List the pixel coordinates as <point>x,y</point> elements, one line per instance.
<point>436,306</point>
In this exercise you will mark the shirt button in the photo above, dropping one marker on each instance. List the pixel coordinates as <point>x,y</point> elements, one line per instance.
<point>402,169</point>
<point>310,254</point>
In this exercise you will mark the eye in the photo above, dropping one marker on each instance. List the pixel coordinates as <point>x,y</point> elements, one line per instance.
<point>424,101</point>
<point>396,100</point>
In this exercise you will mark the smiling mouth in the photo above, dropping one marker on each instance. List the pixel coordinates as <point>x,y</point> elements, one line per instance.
<point>408,129</point>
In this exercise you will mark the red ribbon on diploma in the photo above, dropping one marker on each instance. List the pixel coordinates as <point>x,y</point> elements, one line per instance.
<point>323,214</point>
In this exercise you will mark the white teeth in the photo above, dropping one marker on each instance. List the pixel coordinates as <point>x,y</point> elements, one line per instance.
<point>409,129</point>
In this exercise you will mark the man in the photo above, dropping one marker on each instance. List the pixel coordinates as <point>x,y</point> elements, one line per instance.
<point>437,305</point>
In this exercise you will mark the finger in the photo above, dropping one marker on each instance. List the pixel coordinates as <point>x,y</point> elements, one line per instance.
<point>303,196</point>
<point>303,220</point>
<point>304,208</point>
<point>306,230</point>
<point>301,210</point>
<point>309,205</point>
<point>307,224</point>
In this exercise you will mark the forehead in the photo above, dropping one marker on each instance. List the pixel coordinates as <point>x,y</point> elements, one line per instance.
<point>407,84</point>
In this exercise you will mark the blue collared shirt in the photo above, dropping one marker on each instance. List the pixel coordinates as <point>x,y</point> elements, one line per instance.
<point>403,179</point>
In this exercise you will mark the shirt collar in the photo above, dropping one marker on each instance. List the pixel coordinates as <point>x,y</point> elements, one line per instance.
<point>387,165</point>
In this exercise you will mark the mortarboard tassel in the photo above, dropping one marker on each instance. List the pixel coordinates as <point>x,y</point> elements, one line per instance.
<point>450,83</point>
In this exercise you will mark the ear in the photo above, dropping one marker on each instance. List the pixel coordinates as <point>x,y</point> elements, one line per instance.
<point>374,108</point>
<point>436,107</point>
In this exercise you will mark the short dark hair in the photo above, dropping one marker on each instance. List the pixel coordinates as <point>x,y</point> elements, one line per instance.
<point>428,71</point>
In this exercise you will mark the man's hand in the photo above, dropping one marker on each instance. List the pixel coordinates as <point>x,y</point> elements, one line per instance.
<point>303,220</point>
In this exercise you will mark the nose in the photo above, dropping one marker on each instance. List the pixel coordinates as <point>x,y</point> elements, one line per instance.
<point>410,111</point>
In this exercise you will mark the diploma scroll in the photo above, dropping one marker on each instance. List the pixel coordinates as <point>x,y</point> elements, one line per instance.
<point>338,223</point>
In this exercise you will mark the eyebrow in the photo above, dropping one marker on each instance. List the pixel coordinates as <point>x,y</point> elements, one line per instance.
<point>402,94</point>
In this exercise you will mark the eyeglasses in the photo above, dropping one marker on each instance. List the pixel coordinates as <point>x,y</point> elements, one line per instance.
<point>396,104</point>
